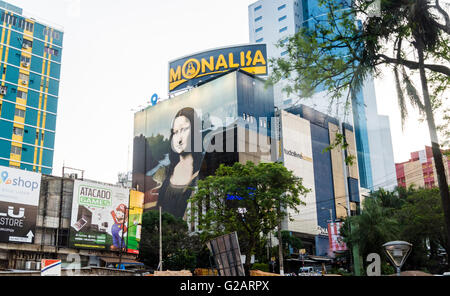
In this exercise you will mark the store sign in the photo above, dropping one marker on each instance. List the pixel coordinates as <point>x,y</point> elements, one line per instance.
<point>191,70</point>
<point>50,267</point>
<point>297,155</point>
<point>19,199</point>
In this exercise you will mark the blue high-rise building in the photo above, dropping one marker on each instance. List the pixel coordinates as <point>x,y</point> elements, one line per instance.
<point>314,13</point>
<point>30,65</point>
<point>272,21</point>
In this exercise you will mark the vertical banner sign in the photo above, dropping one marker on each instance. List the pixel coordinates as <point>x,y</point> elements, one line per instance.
<point>135,221</point>
<point>99,216</point>
<point>19,199</point>
<point>50,267</point>
<point>335,238</point>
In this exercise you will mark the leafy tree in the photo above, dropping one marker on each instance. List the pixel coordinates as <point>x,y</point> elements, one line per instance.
<point>336,52</point>
<point>249,199</point>
<point>409,214</point>
<point>180,250</point>
<point>390,200</point>
<point>422,224</point>
<point>290,241</point>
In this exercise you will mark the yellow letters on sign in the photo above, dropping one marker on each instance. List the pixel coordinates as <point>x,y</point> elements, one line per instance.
<point>259,58</point>
<point>221,62</point>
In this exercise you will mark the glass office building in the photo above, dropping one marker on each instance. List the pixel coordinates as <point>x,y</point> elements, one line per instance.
<point>30,64</point>
<point>273,21</point>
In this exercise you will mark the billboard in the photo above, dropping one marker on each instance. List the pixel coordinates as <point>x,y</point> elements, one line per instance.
<point>136,210</point>
<point>19,199</point>
<point>193,69</point>
<point>99,216</point>
<point>171,139</point>
<point>335,238</point>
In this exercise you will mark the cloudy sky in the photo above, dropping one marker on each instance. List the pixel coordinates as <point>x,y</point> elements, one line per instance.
<point>115,56</point>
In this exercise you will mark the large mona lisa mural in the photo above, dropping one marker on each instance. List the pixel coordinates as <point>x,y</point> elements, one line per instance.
<point>170,139</point>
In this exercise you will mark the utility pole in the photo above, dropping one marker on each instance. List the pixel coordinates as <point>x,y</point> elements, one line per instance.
<point>122,244</point>
<point>355,248</point>
<point>160,241</point>
<point>280,243</point>
<point>280,249</point>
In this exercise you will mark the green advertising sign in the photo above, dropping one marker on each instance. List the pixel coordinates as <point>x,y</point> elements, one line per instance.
<point>99,216</point>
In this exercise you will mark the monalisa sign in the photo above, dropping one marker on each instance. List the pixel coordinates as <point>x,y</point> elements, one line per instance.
<point>191,70</point>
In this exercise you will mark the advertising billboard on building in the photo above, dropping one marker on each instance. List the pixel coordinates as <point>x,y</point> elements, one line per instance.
<point>134,221</point>
<point>335,238</point>
<point>99,216</point>
<point>170,140</point>
<point>296,151</point>
<point>193,69</point>
<point>19,199</point>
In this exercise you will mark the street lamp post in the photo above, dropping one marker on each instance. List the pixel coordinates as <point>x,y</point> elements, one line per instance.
<point>124,245</point>
<point>331,213</point>
<point>397,252</point>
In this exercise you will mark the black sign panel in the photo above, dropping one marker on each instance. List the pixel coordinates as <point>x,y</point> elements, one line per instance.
<point>14,225</point>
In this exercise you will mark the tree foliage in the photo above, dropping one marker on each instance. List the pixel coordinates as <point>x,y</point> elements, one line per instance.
<point>290,241</point>
<point>180,250</point>
<point>370,230</point>
<point>249,199</point>
<point>349,42</point>
<point>337,52</point>
<point>422,220</point>
<point>413,215</point>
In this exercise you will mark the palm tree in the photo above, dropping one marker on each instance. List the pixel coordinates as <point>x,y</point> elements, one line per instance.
<point>370,230</point>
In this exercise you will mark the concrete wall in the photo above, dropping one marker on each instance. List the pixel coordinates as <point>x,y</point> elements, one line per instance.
<point>87,271</point>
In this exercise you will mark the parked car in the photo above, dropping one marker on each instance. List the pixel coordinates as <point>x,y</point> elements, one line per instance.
<point>306,269</point>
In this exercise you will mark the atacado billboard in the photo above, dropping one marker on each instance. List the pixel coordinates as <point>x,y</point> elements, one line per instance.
<point>19,199</point>
<point>99,216</point>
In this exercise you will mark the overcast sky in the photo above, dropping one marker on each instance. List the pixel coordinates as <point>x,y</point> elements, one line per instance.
<point>115,56</point>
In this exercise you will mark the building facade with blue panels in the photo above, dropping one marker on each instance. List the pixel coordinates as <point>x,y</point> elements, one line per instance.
<point>330,184</point>
<point>30,65</point>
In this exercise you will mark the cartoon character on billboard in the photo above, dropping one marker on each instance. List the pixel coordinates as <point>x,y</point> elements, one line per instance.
<point>183,164</point>
<point>119,228</point>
